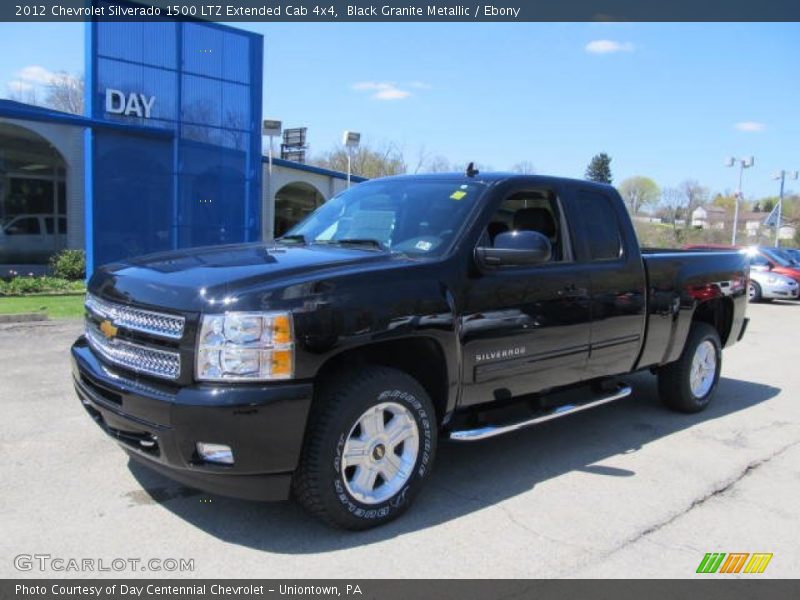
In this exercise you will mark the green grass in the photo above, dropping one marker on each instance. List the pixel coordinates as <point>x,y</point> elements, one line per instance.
<point>56,307</point>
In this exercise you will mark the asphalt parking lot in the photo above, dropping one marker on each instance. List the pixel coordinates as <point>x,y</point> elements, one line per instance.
<point>625,490</point>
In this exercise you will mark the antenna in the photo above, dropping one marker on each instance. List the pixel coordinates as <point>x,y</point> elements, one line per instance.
<point>471,170</point>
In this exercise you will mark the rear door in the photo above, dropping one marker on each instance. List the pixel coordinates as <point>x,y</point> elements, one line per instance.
<point>609,251</point>
<point>526,328</point>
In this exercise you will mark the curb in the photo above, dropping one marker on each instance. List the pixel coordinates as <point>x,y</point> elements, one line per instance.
<point>23,317</point>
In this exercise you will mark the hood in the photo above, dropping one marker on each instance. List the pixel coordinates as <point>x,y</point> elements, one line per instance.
<point>793,272</point>
<point>207,278</point>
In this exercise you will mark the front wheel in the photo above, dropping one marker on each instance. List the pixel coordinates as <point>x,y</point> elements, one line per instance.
<point>688,384</point>
<point>369,449</point>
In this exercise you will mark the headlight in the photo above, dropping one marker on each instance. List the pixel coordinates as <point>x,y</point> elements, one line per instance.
<point>245,346</point>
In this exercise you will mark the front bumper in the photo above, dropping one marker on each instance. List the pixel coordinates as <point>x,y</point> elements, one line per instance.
<point>159,425</point>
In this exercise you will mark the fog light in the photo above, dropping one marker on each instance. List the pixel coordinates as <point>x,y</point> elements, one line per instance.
<point>215,453</point>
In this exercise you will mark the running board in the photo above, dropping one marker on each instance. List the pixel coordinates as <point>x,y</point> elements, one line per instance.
<point>488,431</point>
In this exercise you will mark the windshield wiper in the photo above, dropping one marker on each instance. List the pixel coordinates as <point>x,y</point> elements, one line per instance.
<point>295,237</point>
<point>354,242</point>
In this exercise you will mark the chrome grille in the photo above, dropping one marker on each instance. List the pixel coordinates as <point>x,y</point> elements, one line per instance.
<point>137,319</point>
<point>151,361</point>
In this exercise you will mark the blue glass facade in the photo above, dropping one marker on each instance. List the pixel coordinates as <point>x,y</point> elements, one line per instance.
<point>187,172</point>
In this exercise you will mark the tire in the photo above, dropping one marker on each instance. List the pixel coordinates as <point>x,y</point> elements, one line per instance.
<point>754,292</point>
<point>676,387</point>
<point>351,474</point>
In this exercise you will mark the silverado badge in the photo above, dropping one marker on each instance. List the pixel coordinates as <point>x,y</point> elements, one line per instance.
<point>108,329</point>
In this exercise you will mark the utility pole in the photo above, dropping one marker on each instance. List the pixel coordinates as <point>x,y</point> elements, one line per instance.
<point>781,175</point>
<point>744,163</point>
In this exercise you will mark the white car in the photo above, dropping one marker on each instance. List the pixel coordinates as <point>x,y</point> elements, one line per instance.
<point>766,285</point>
<point>31,238</point>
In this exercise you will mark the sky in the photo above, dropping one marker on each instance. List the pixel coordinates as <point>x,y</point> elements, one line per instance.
<point>667,101</point>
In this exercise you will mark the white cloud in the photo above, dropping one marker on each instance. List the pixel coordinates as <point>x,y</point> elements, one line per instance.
<point>391,94</point>
<point>750,126</point>
<point>382,90</point>
<point>35,74</point>
<point>33,77</point>
<point>18,86</point>
<point>608,47</point>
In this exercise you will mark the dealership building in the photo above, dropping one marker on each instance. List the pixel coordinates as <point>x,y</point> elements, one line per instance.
<point>168,154</point>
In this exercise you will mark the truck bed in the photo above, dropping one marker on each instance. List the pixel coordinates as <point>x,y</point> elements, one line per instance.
<point>676,281</point>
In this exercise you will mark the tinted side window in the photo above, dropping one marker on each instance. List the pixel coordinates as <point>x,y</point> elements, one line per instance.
<point>530,211</point>
<point>604,238</point>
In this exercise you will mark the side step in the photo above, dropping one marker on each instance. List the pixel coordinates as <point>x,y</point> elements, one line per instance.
<point>488,431</point>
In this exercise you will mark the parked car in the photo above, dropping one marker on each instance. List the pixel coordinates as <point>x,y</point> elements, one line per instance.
<point>766,286</point>
<point>759,257</point>
<point>404,310</point>
<point>793,253</point>
<point>31,238</point>
<point>774,260</point>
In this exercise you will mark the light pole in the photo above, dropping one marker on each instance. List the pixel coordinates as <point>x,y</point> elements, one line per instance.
<point>351,140</point>
<point>744,163</point>
<point>782,176</point>
<point>270,128</point>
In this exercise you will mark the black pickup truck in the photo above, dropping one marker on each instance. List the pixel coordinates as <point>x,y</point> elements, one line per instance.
<point>328,363</point>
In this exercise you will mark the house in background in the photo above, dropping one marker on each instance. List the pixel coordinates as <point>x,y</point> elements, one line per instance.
<point>709,217</point>
<point>752,223</point>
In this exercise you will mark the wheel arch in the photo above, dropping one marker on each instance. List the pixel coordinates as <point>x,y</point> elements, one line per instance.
<point>717,312</point>
<point>421,357</point>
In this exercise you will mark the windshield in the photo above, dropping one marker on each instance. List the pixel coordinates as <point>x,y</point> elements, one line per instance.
<point>778,257</point>
<point>413,216</point>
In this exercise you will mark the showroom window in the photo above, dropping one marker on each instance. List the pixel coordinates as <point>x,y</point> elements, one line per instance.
<point>32,189</point>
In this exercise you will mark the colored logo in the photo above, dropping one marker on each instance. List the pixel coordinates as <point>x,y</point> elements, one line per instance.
<point>735,562</point>
<point>108,329</point>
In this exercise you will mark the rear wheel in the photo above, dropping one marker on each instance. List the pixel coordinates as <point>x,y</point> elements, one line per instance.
<point>369,448</point>
<point>754,292</point>
<point>688,384</point>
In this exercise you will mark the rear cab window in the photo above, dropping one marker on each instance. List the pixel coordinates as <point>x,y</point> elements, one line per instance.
<point>601,229</point>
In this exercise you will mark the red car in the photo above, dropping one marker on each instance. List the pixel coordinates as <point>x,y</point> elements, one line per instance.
<point>762,257</point>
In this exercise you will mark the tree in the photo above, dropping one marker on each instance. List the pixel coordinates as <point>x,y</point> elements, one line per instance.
<point>674,201</point>
<point>524,167</point>
<point>65,92</point>
<point>638,191</point>
<point>599,168</point>
<point>437,164</point>
<point>728,202</point>
<point>367,161</point>
<point>695,195</point>
<point>62,91</point>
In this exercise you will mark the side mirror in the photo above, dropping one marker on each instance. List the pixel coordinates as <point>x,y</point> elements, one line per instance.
<point>515,248</point>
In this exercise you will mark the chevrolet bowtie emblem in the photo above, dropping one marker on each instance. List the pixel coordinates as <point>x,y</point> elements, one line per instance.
<point>108,329</point>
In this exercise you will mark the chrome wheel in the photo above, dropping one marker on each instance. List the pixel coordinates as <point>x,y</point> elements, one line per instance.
<point>704,369</point>
<point>380,452</point>
<point>751,291</point>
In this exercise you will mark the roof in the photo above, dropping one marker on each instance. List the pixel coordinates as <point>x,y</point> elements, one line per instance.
<point>498,177</point>
<point>711,208</point>
<point>290,164</point>
<point>11,109</point>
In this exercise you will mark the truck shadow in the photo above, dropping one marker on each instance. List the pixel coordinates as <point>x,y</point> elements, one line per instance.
<point>467,477</point>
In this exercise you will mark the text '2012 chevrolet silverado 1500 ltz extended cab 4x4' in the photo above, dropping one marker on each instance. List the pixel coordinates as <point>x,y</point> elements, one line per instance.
<point>327,364</point>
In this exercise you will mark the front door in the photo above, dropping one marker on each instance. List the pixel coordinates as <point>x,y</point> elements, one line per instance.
<point>526,328</point>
